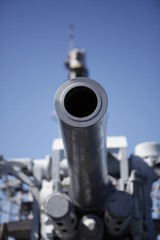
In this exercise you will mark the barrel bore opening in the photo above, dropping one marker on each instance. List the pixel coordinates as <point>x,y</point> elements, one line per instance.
<point>80,101</point>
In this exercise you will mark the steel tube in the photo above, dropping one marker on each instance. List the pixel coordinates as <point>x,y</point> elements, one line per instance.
<point>81,104</point>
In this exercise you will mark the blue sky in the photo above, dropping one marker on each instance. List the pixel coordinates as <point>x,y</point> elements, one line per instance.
<point>122,41</point>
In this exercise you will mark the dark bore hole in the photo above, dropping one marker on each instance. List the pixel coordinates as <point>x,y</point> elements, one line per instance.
<point>72,220</point>
<point>119,222</point>
<point>107,220</point>
<point>80,102</point>
<point>117,229</point>
<point>60,224</point>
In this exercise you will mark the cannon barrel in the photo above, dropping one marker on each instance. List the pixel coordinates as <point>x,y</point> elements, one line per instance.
<point>81,104</point>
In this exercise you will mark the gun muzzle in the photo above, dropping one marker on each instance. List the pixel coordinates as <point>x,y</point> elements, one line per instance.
<point>81,104</point>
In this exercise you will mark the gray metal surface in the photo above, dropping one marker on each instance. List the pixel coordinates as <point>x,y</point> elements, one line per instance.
<point>81,104</point>
<point>119,209</point>
<point>60,209</point>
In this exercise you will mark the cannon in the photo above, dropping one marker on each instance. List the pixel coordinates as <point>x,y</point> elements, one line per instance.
<point>81,105</point>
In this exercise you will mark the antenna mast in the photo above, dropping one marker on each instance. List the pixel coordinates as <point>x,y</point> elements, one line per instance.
<point>71,37</point>
<point>75,62</point>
